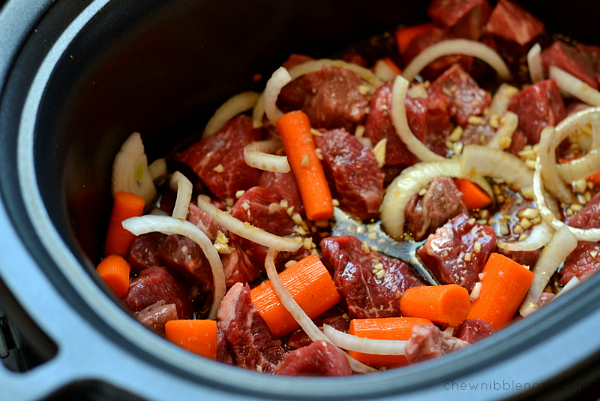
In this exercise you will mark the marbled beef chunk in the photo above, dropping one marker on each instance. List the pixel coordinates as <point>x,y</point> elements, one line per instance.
<point>582,262</point>
<point>238,267</point>
<point>537,106</point>
<point>354,171</point>
<point>467,18</point>
<point>261,208</point>
<point>457,252</point>
<point>570,59</point>
<point>145,251</point>
<point>330,97</point>
<point>428,342</point>
<point>512,22</point>
<point>589,216</point>
<point>157,315</point>
<point>248,335</point>
<point>204,222</point>
<point>186,257</point>
<point>219,159</point>
<point>320,358</point>
<point>283,185</point>
<point>366,295</point>
<point>473,330</point>
<point>442,201</point>
<point>156,284</point>
<point>465,97</point>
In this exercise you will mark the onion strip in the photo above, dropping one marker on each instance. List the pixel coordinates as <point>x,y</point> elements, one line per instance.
<point>168,225</point>
<point>184,188</point>
<point>309,327</point>
<point>247,230</point>
<point>400,121</point>
<point>489,162</point>
<point>540,235</point>
<point>258,155</point>
<point>562,244</point>
<point>550,177</point>
<point>365,345</point>
<point>502,98</point>
<point>258,111</point>
<point>574,86</point>
<point>232,107</point>
<point>534,62</point>
<point>457,46</point>
<point>278,80</point>
<point>503,136</point>
<point>410,182</point>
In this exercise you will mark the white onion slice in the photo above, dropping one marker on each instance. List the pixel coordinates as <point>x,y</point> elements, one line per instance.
<point>258,111</point>
<point>130,170</point>
<point>247,230</point>
<point>540,235</point>
<point>184,188</point>
<point>158,170</point>
<point>457,46</point>
<point>383,71</point>
<point>502,98</point>
<point>278,80</point>
<point>562,244</point>
<point>534,62</point>
<point>259,155</point>
<point>588,164</point>
<point>400,121</point>
<point>309,327</point>
<point>232,107</point>
<point>568,287</point>
<point>574,86</point>
<point>365,345</point>
<point>410,182</point>
<point>482,160</point>
<point>316,65</point>
<point>550,177</point>
<point>168,225</point>
<point>504,134</point>
<point>590,234</point>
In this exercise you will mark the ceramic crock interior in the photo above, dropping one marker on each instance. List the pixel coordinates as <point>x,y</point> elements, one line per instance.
<point>162,67</point>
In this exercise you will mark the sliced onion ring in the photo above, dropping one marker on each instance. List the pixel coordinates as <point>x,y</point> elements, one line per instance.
<point>547,156</point>
<point>168,225</point>
<point>400,121</point>
<point>562,244</point>
<point>309,327</point>
<point>246,230</point>
<point>258,155</point>
<point>534,62</point>
<point>365,345</point>
<point>489,162</point>
<point>502,98</point>
<point>184,188</point>
<point>410,182</point>
<point>540,235</point>
<point>590,234</point>
<point>278,80</point>
<point>457,46</point>
<point>574,86</point>
<point>588,164</point>
<point>258,111</point>
<point>232,107</point>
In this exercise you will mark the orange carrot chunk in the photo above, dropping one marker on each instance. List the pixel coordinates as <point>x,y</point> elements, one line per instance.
<point>392,65</point>
<point>118,239</point>
<point>311,286</point>
<point>389,328</point>
<point>114,271</point>
<point>294,129</point>
<point>595,178</point>
<point>406,35</point>
<point>472,196</point>
<point>442,304</point>
<point>503,288</point>
<point>197,336</point>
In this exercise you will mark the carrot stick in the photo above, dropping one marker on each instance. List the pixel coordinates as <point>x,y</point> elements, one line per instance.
<point>406,35</point>
<point>472,196</point>
<point>503,288</point>
<point>442,304</point>
<point>197,336</point>
<point>311,286</point>
<point>390,328</point>
<point>294,129</point>
<point>114,270</point>
<point>118,239</point>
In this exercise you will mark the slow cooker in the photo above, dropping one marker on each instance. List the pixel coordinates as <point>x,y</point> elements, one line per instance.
<point>76,78</point>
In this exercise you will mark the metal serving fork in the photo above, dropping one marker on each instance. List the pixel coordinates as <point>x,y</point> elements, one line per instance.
<point>376,237</point>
